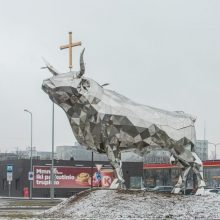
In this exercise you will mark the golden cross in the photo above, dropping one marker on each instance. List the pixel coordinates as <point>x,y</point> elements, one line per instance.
<point>70,45</point>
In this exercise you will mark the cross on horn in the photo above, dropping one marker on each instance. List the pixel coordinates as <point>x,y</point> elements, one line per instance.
<point>70,46</point>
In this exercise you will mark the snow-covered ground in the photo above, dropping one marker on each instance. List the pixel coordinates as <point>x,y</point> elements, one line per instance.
<point>114,204</point>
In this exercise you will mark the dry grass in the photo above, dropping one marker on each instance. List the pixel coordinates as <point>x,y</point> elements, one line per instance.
<point>32,203</point>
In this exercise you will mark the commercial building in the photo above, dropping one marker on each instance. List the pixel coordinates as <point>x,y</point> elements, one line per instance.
<point>132,173</point>
<point>8,156</point>
<point>158,174</point>
<point>201,149</point>
<point>78,152</point>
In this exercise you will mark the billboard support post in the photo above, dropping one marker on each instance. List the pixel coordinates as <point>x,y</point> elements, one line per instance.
<point>92,171</point>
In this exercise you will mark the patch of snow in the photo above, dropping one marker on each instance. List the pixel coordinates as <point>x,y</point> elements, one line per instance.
<point>124,204</point>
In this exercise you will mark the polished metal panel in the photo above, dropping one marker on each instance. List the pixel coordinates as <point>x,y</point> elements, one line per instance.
<point>108,122</point>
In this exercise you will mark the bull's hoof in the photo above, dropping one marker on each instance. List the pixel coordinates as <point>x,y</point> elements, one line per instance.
<point>115,184</point>
<point>176,190</point>
<point>200,191</point>
<point>122,186</point>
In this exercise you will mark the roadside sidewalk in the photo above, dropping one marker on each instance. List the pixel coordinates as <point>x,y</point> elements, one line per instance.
<point>34,198</point>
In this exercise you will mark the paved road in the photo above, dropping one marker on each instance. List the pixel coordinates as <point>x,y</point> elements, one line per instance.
<point>15,208</point>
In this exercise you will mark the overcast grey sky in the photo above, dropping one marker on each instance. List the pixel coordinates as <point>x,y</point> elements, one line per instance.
<point>160,53</point>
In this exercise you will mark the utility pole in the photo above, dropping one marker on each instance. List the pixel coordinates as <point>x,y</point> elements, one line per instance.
<point>52,159</point>
<point>31,157</point>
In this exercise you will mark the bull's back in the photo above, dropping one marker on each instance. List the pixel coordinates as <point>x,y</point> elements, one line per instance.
<point>141,115</point>
<point>130,117</point>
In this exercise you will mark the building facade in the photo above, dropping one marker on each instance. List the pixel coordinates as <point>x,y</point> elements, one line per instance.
<point>78,152</point>
<point>201,149</point>
<point>132,172</point>
<point>160,174</point>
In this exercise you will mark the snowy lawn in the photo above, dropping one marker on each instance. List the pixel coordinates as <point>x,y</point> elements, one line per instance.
<point>122,204</point>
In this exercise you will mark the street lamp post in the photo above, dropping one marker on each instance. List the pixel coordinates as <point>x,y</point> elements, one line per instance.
<point>215,145</point>
<point>52,159</point>
<point>31,161</point>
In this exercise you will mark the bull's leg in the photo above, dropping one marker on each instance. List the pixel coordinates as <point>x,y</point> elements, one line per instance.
<point>198,169</point>
<point>181,184</point>
<point>116,162</point>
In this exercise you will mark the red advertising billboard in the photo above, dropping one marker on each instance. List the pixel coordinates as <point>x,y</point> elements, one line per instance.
<point>71,177</point>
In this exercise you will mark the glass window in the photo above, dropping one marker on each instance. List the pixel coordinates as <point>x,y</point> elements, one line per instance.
<point>135,182</point>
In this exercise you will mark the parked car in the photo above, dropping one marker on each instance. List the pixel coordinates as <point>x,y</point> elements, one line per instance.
<point>161,189</point>
<point>189,191</point>
<point>210,191</point>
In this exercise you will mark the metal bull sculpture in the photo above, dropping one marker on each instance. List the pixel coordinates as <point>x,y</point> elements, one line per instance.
<point>108,122</point>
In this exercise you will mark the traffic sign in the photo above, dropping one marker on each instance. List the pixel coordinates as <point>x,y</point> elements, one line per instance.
<point>99,166</point>
<point>9,168</point>
<point>30,175</point>
<point>98,176</point>
<point>9,176</point>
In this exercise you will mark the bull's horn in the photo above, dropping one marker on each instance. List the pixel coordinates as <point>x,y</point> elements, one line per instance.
<point>106,84</point>
<point>50,68</point>
<point>82,65</point>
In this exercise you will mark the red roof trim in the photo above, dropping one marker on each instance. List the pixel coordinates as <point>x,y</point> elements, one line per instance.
<point>211,163</point>
<point>158,165</point>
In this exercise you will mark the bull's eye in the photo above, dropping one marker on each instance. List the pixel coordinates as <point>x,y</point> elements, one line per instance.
<point>83,85</point>
<point>86,83</point>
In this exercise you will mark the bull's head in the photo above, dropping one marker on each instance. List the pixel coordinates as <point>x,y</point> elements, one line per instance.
<point>66,87</point>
